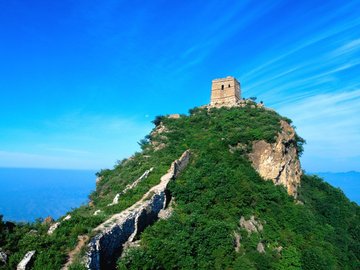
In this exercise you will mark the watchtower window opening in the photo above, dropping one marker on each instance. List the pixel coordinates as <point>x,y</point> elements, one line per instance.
<point>222,87</point>
<point>229,86</point>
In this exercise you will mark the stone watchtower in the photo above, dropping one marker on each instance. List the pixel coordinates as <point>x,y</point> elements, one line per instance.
<point>225,92</point>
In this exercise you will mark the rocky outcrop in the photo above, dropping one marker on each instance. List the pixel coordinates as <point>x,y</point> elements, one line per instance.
<point>279,161</point>
<point>167,212</point>
<point>174,116</point>
<point>99,179</point>
<point>158,137</point>
<point>25,263</point>
<point>238,147</point>
<point>3,257</point>
<point>53,228</point>
<point>122,228</point>
<point>260,248</point>
<point>237,239</point>
<point>251,225</point>
<point>68,217</point>
<point>115,200</point>
<point>33,232</point>
<point>131,186</point>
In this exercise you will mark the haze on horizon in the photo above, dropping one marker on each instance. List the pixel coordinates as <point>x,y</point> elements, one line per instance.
<point>81,81</point>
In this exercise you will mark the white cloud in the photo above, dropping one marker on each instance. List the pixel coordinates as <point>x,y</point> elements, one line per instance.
<point>331,127</point>
<point>75,141</point>
<point>348,48</point>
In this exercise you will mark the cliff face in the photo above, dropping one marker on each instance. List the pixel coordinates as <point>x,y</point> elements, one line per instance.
<point>279,161</point>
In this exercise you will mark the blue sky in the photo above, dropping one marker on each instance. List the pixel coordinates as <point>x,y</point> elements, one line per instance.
<point>80,81</point>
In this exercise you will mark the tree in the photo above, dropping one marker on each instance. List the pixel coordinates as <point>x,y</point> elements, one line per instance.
<point>316,258</point>
<point>290,259</point>
<point>158,120</point>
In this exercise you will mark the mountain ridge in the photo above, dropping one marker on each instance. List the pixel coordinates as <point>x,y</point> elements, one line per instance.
<point>224,214</point>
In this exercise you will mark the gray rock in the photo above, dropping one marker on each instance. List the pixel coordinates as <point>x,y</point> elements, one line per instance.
<point>67,217</point>
<point>53,228</point>
<point>3,257</point>
<point>237,238</point>
<point>260,248</point>
<point>279,161</point>
<point>251,225</point>
<point>33,232</point>
<point>131,186</point>
<point>26,261</point>
<point>99,179</point>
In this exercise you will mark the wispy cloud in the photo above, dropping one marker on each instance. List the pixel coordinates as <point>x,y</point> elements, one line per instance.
<point>348,48</point>
<point>84,91</point>
<point>75,140</point>
<point>308,42</point>
<point>331,126</point>
<point>314,82</point>
<point>68,150</point>
<point>221,29</point>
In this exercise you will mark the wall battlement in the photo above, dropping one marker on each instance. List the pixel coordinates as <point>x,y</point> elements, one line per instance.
<point>225,92</point>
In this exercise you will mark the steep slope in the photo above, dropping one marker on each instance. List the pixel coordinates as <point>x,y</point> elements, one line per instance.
<point>279,161</point>
<point>222,214</point>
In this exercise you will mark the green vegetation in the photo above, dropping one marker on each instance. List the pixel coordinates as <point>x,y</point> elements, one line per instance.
<point>218,187</point>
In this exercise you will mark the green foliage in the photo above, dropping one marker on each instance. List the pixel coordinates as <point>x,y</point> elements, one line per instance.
<point>299,144</point>
<point>316,258</point>
<point>217,188</point>
<point>290,260</point>
<point>144,143</point>
<point>77,266</point>
<point>288,120</point>
<point>340,220</point>
<point>158,120</point>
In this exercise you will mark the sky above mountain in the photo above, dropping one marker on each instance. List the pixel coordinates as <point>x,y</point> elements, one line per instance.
<point>81,81</point>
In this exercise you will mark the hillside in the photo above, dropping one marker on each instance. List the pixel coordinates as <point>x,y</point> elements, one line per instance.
<point>201,175</point>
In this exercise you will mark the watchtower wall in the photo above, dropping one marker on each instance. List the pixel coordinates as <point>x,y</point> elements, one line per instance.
<point>225,91</point>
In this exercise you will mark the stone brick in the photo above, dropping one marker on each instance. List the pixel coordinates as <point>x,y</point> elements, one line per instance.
<point>225,92</point>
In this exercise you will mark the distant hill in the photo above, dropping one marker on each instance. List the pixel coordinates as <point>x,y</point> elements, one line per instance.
<point>349,182</point>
